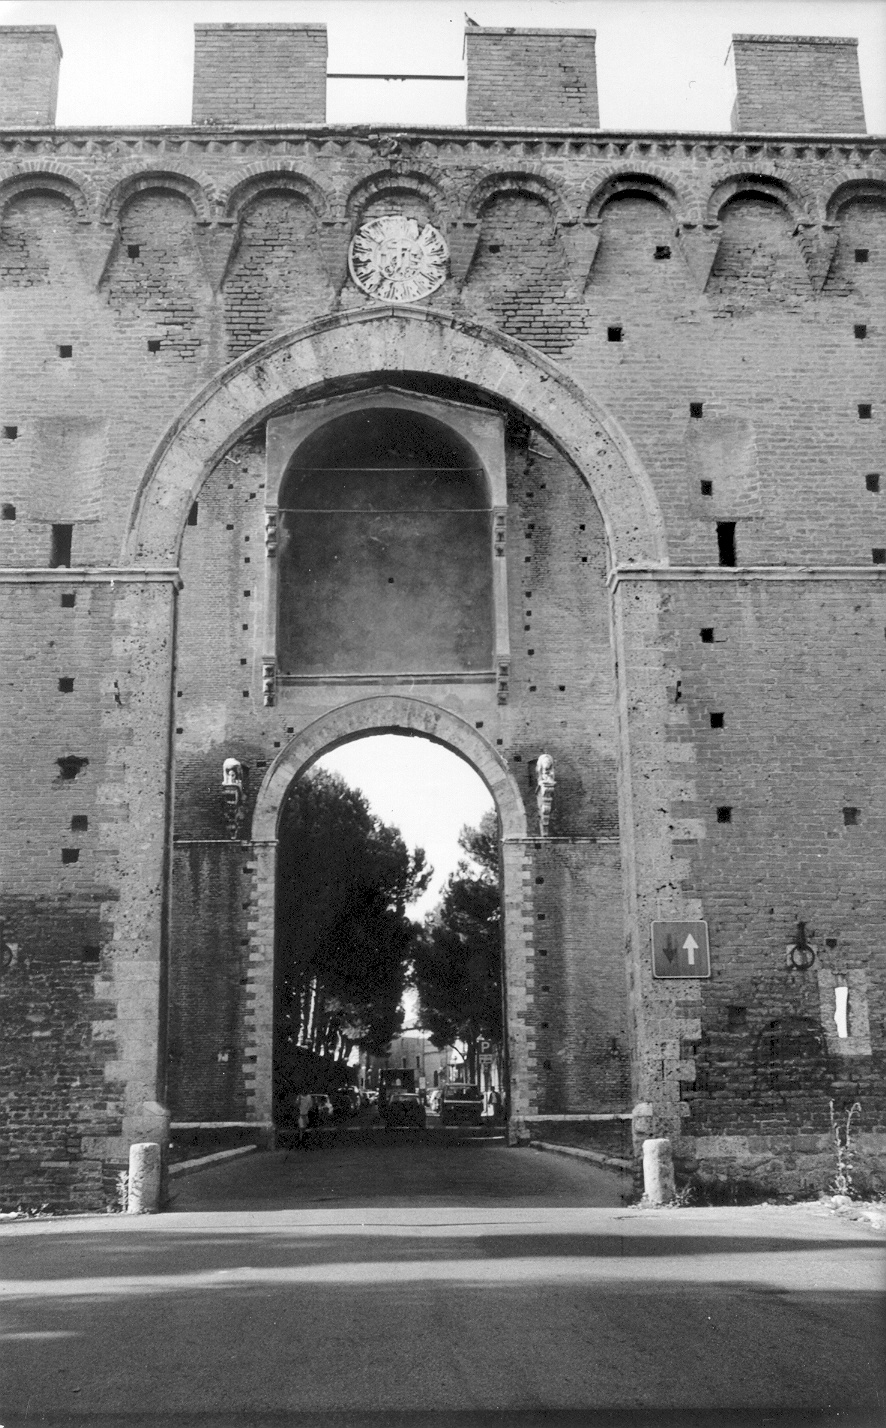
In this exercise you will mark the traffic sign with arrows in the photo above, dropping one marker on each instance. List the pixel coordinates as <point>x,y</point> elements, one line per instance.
<point>680,949</point>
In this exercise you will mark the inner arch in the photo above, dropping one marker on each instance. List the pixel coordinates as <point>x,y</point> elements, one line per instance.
<point>385,561</point>
<point>393,714</point>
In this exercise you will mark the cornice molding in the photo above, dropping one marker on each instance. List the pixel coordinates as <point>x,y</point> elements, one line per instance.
<point>740,574</point>
<point>317,138</point>
<point>88,575</point>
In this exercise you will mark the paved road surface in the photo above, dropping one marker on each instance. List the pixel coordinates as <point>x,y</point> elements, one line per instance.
<point>400,1168</point>
<point>507,1294</point>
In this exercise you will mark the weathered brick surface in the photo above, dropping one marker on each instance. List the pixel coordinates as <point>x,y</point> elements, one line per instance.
<point>530,77</point>
<point>209,984</point>
<point>85,930</point>
<point>259,74</point>
<point>797,84</point>
<point>29,66</point>
<point>642,276</point>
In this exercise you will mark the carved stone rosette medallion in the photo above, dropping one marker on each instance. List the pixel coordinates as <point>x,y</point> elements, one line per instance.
<point>395,259</point>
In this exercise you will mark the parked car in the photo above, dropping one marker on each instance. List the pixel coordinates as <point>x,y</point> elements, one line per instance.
<point>345,1101</point>
<point>323,1112</point>
<point>461,1105</point>
<point>404,1108</point>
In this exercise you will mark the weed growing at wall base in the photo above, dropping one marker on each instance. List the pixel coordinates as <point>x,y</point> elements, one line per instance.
<point>843,1183</point>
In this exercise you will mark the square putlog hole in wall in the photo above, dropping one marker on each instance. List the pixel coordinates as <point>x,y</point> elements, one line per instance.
<point>91,954</point>
<point>878,555</point>
<point>860,330</point>
<point>696,409</point>
<point>70,855</point>
<point>68,602</point>
<point>872,481</point>
<point>613,334</point>
<point>862,255</point>
<point>718,721</point>
<point>707,488</point>
<point>865,411</point>
<point>66,350</point>
<point>8,511</point>
<point>850,817</point>
<point>662,253</point>
<point>71,765</point>
<point>66,685</point>
<point>10,433</point>
<point>153,344</point>
<point>724,813</point>
<point>79,823</point>
<point>707,635</point>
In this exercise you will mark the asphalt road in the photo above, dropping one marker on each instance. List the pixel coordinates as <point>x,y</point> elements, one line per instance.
<point>305,1291</point>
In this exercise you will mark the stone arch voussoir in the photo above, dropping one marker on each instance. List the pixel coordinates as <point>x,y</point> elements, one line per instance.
<point>646,180</point>
<point>387,714</point>
<point>196,190</point>
<point>272,177</point>
<point>870,189</point>
<point>531,180</point>
<point>47,178</point>
<point>383,342</point>
<point>757,181</point>
<point>425,183</point>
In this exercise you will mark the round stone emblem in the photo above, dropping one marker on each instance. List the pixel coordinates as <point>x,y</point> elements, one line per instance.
<point>395,259</point>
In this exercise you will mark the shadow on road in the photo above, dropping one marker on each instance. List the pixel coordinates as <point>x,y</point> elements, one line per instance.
<point>471,1418</point>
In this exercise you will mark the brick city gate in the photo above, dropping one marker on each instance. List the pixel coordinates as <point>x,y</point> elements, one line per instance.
<point>658,573</point>
<point>568,1027</point>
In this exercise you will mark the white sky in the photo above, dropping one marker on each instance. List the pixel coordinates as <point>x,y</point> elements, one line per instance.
<point>660,63</point>
<point>420,787</point>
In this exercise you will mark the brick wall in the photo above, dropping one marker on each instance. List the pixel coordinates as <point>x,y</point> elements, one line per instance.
<point>259,74</point>
<point>264,292</point>
<point>729,360</point>
<point>794,672</point>
<point>532,78</point>
<point>82,847</point>
<point>208,984</point>
<point>797,84</point>
<point>30,56</point>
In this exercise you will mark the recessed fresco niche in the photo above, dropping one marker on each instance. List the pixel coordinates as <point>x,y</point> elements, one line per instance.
<point>382,508</point>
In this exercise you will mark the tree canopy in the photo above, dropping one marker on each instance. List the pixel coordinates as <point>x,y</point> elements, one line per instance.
<point>457,960</point>
<point>344,941</point>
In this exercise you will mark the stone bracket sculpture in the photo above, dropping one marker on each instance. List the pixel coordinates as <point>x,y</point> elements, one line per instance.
<point>268,682</point>
<point>233,795</point>
<point>545,783</point>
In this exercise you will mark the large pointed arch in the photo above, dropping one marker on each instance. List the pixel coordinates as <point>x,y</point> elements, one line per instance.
<point>387,341</point>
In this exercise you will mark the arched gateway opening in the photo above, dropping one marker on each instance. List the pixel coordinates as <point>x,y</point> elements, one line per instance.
<point>418,719</point>
<point>388,961</point>
<point>397,525</point>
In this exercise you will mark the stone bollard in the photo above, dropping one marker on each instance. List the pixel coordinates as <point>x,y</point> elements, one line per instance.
<point>641,1124</point>
<point>658,1172</point>
<point>143,1195</point>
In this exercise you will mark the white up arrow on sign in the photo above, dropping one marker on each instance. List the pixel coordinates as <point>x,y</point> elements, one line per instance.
<point>691,947</point>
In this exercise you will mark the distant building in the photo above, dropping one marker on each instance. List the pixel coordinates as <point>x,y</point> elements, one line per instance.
<point>413,1050</point>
